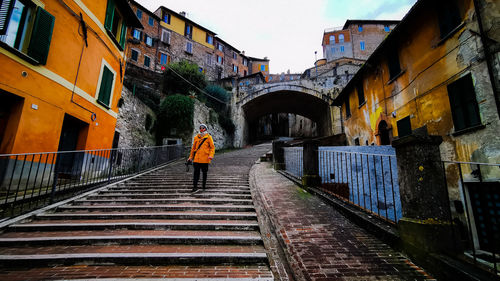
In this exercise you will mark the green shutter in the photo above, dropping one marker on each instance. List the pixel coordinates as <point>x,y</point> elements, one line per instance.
<point>5,12</point>
<point>110,10</point>
<point>106,85</point>
<point>123,35</point>
<point>41,36</point>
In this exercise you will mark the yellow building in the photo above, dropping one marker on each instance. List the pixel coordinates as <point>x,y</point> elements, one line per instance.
<point>430,71</point>
<point>62,70</point>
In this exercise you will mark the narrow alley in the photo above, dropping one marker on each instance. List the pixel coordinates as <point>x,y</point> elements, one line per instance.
<point>151,226</point>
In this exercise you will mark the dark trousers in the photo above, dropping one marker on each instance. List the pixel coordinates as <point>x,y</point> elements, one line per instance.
<point>196,176</point>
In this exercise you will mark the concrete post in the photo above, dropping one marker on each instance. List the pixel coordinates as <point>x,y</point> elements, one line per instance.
<point>426,225</point>
<point>311,165</point>
<point>279,155</point>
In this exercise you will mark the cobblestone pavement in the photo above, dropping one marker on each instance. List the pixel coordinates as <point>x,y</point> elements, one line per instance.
<point>319,242</point>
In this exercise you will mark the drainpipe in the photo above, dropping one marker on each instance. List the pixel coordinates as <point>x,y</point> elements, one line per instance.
<point>487,54</point>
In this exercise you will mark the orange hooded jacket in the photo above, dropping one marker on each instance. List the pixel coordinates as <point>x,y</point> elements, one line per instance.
<point>206,150</point>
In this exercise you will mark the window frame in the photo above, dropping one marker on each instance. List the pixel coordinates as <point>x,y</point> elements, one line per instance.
<point>151,20</point>
<point>462,92</point>
<point>167,60</point>
<point>105,64</point>
<point>188,49</point>
<point>149,63</point>
<point>134,32</point>
<point>165,31</point>
<point>146,39</point>
<point>132,50</point>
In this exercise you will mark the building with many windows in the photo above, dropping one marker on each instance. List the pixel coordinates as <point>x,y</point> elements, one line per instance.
<point>356,39</point>
<point>63,64</point>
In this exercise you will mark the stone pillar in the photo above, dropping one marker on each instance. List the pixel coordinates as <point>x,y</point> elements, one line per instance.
<point>311,165</point>
<point>279,155</point>
<point>426,225</point>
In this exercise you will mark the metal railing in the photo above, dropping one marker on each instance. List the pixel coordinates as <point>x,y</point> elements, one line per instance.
<point>293,161</point>
<point>366,180</point>
<point>34,180</point>
<point>474,193</point>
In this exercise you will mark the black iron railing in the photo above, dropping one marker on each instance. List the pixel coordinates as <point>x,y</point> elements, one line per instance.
<point>33,180</point>
<point>474,192</point>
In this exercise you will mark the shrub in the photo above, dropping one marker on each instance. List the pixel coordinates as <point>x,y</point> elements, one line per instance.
<point>174,84</point>
<point>176,112</point>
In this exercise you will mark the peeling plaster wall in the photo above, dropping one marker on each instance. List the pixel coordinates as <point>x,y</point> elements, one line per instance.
<point>420,92</point>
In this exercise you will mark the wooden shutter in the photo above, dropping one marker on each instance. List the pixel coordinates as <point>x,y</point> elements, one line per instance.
<point>106,85</point>
<point>41,36</point>
<point>123,35</point>
<point>5,12</point>
<point>110,10</point>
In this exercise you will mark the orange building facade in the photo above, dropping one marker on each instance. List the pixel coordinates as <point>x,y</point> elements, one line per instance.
<point>63,64</point>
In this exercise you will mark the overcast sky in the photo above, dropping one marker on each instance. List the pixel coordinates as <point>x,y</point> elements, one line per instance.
<point>288,32</point>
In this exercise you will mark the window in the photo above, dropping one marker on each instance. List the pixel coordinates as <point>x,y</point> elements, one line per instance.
<point>245,72</point>
<point>393,63</point>
<point>114,24</point>
<point>341,38</point>
<point>332,39</point>
<point>188,31</point>
<point>148,40</point>
<point>404,127</point>
<point>235,56</point>
<point>448,16</point>
<point>387,28</point>
<point>361,93</point>
<point>463,103</point>
<point>164,58</point>
<point>151,21</point>
<point>200,70</point>
<point>147,61</point>
<point>209,59</point>
<point>220,47</point>
<point>165,36</point>
<point>235,68</point>
<point>262,67</point>
<point>245,62</point>
<point>166,17</point>
<point>137,34</point>
<point>189,47</point>
<point>139,14</point>
<point>106,82</point>
<point>342,49</point>
<point>27,28</point>
<point>347,108</point>
<point>210,39</point>
<point>291,77</point>
<point>270,78</point>
<point>362,45</point>
<point>220,60</point>
<point>135,55</point>
<point>360,28</point>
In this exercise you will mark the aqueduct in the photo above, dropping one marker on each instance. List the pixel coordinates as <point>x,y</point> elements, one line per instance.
<point>307,98</point>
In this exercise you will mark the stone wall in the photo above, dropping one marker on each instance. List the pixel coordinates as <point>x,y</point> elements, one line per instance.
<point>206,115</point>
<point>131,122</point>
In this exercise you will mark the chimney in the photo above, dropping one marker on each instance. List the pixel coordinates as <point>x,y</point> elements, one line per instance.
<point>182,14</point>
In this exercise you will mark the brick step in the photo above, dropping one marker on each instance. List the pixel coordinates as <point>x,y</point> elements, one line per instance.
<point>159,207</point>
<point>183,181</point>
<point>135,255</point>
<point>156,201</point>
<point>200,194</point>
<point>187,190</point>
<point>149,273</point>
<point>152,215</point>
<point>62,225</point>
<point>128,237</point>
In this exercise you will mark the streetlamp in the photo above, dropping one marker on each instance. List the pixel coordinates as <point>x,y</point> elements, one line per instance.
<point>316,62</point>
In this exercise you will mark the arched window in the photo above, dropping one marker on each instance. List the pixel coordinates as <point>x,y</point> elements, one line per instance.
<point>332,39</point>
<point>341,38</point>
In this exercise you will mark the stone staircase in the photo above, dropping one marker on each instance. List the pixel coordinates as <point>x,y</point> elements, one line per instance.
<point>150,221</point>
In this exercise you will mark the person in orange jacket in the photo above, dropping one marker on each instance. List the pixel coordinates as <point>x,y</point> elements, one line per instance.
<point>202,153</point>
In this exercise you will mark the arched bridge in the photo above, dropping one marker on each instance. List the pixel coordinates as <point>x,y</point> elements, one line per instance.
<point>307,98</point>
